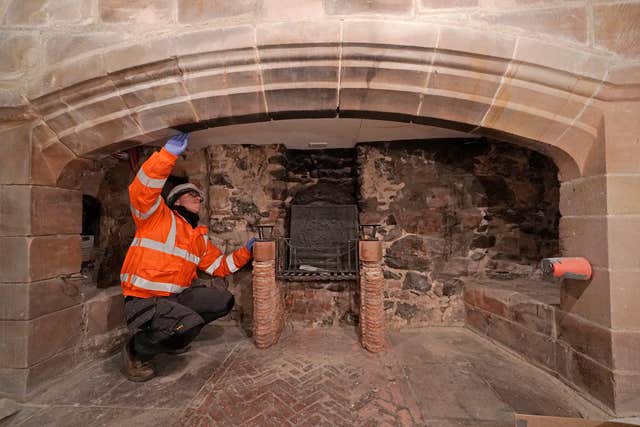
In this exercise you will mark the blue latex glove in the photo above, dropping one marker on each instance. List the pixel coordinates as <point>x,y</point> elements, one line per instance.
<point>249,244</point>
<point>177,144</point>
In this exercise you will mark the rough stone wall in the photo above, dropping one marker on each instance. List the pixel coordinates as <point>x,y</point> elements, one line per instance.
<point>251,185</point>
<point>452,210</point>
<point>243,192</point>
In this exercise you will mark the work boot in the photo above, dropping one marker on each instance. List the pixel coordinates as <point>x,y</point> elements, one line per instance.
<point>132,367</point>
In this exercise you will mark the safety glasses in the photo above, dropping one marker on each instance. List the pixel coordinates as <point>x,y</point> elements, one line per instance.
<point>195,194</point>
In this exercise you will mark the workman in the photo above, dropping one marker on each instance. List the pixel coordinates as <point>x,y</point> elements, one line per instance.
<point>163,311</point>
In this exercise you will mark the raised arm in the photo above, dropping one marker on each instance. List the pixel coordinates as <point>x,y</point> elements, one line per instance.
<point>144,191</point>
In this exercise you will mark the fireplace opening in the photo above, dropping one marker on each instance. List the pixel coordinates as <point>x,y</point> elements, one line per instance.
<point>321,233</point>
<point>322,245</point>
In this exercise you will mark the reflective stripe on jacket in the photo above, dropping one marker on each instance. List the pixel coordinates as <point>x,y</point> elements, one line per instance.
<point>166,251</point>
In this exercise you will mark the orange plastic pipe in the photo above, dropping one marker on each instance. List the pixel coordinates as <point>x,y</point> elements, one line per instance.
<point>567,268</point>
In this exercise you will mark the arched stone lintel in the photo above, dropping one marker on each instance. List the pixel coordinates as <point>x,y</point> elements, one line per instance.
<point>493,86</point>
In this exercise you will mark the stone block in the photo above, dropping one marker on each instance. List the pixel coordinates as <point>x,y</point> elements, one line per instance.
<point>13,383</point>
<point>623,237</point>
<point>19,52</point>
<point>532,315</point>
<point>489,299</point>
<point>626,349</point>
<point>15,344</point>
<point>616,29</point>
<point>584,196</point>
<point>623,194</point>
<point>55,211</point>
<point>621,128</point>
<point>29,342</point>
<point>222,77</point>
<point>473,66</point>
<point>565,59</point>
<point>622,75</point>
<point>29,259</point>
<point>22,384</point>
<point>139,12</point>
<point>414,282</point>
<point>15,210</point>
<point>311,98</point>
<point>584,237</point>
<point>453,108</point>
<point>147,52</point>
<point>306,32</point>
<point>48,156</point>
<point>292,10</point>
<point>38,210</point>
<point>79,116</point>
<point>217,40</point>
<point>536,99</point>
<point>536,347</point>
<point>26,301</point>
<point>165,116</point>
<point>625,297</point>
<point>205,10</point>
<point>61,47</point>
<point>627,392</point>
<point>46,12</point>
<point>585,374</point>
<point>568,23</point>
<point>105,312</point>
<point>16,143</point>
<point>12,96</point>
<point>426,5</point>
<point>530,123</point>
<point>96,137</point>
<point>69,73</point>
<point>482,43</point>
<point>464,82</point>
<point>586,337</point>
<point>577,152</point>
<point>168,90</point>
<point>401,34</point>
<point>379,101</point>
<point>302,74</point>
<point>591,299</point>
<point>377,77</point>
<point>348,7</point>
<point>230,106</point>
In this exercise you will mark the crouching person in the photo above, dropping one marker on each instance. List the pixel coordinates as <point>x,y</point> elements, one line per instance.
<point>162,310</point>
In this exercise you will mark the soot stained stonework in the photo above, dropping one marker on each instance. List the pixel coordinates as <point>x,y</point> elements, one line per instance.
<point>252,185</point>
<point>452,210</point>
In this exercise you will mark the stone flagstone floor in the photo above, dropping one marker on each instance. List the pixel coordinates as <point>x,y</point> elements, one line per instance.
<point>313,377</point>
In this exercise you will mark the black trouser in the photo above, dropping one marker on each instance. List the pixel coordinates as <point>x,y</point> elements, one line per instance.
<point>163,324</point>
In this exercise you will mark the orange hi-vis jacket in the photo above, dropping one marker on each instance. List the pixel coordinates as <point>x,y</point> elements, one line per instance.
<point>166,250</point>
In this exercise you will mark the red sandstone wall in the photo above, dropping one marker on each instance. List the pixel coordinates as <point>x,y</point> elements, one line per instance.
<point>451,211</point>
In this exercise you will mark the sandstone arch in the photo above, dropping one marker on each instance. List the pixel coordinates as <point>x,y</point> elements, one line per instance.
<point>543,96</point>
